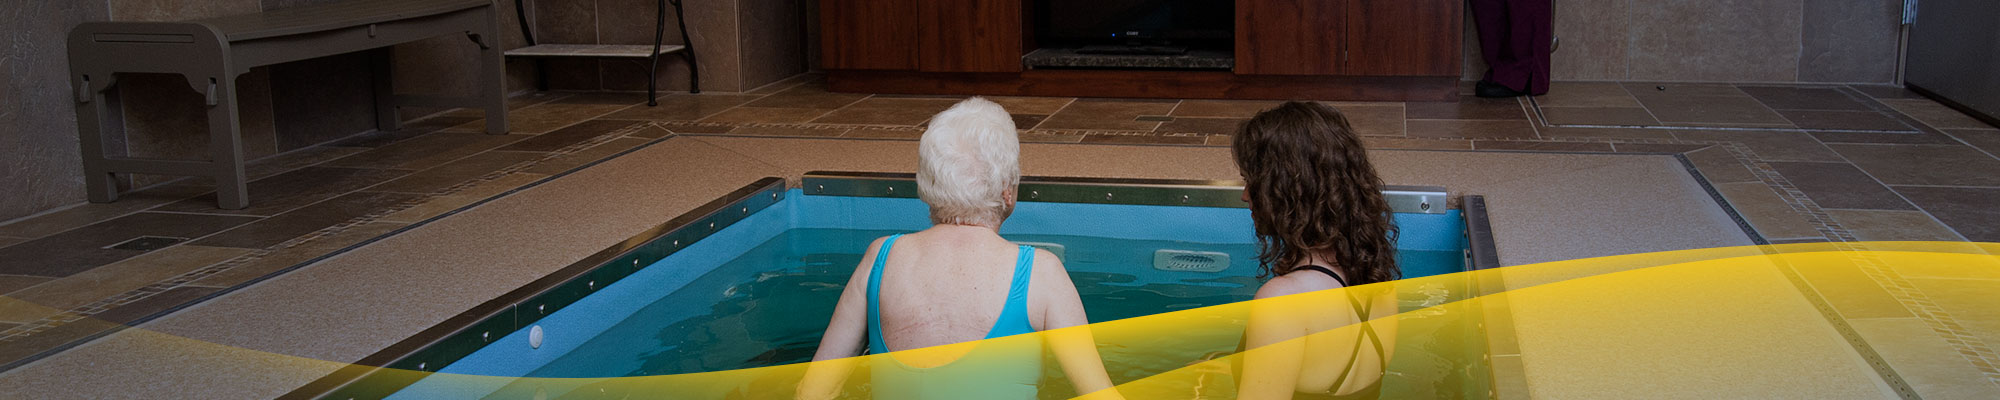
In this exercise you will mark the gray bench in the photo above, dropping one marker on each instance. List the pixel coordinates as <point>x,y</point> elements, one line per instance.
<point>211,53</point>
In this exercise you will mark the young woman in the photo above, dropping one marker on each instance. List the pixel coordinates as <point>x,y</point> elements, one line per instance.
<point>1321,224</point>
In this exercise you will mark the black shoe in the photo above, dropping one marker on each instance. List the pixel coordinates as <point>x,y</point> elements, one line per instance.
<point>1491,90</point>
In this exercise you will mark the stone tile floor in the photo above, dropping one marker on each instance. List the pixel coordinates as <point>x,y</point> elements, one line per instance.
<point>1798,163</point>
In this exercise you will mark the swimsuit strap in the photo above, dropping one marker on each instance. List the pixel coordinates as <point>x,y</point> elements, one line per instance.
<point>1368,331</point>
<point>1013,318</point>
<point>1329,272</point>
<point>875,343</point>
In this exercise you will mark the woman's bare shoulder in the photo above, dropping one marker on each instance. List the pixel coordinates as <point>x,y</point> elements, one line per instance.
<point>1301,281</point>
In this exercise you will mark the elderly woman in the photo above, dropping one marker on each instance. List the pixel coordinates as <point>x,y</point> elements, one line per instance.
<point>1322,224</point>
<point>959,281</point>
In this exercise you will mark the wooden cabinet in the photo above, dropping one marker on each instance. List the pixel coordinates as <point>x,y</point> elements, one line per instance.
<point>969,35</point>
<point>868,34</point>
<point>922,35</point>
<point>1348,37</point>
<point>1290,37</point>
<point>1404,37</point>
<point>1371,50</point>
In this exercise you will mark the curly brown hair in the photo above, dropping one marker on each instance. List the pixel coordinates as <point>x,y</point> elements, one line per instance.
<point>1313,190</point>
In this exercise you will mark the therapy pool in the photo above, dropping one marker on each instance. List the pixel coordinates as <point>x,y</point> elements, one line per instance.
<point>751,279</point>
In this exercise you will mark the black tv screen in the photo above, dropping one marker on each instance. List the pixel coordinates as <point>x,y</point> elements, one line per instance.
<point>1201,23</point>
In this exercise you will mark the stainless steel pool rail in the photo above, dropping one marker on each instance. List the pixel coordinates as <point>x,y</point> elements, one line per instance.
<point>461,335</point>
<point>1151,192</point>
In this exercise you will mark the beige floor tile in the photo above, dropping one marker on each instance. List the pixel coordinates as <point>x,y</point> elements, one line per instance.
<point>1510,382</point>
<point>792,131</point>
<point>1738,333</point>
<point>53,222</point>
<point>566,162</point>
<point>1586,94</point>
<point>683,107</point>
<point>11,283</point>
<point>1201,125</point>
<point>447,203</point>
<point>547,117</point>
<point>887,111</point>
<point>1660,148</point>
<point>1719,165</point>
<point>1032,105</point>
<point>1467,107</point>
<point>1415,144</point>
<point>112,279</point>
<point>287,257</point>
<point>1606,133</point>
<point>1527,145</point>
<point>1924,164</point>
<point>1769,214</point>
<point>1045,137</point>
<point>1375,119</point>
<point>1930,365</point>
<point>1683,89</point>
<point>1934,114</point>
<point>1144,139</point>
<point>1471,129</point>
<point>1984,139</point>
<point>1599,116</point>
<point>762,115</point>
<point>1852,293</point>
<point>1113,115</point>
<point>1769,145</point>
<point>911,133</point>
<point>1222,140</point>
<point>807,96</point>
<point>1876,225</point>
<point>1223,108</point>
<point>1970,301</point>
<point>1712,110</point>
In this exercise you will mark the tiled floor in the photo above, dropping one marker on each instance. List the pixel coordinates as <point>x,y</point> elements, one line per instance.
<point>1805,163</point>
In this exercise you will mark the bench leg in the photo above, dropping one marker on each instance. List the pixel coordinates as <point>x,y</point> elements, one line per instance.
<point>225,146</point>
<point>96,119</point>
<point>382,60</point>
<point>493,76</point>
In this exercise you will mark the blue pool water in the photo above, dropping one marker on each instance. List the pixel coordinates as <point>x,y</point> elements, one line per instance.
<point>760,292</point>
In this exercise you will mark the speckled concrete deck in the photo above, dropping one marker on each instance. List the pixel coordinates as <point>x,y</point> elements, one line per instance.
<point>1544,207</point>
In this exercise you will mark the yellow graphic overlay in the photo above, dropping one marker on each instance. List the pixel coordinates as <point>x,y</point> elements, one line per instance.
<point>1739,322</point>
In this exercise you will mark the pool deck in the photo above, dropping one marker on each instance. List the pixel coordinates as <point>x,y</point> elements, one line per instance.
<point>1547,203</point>
<point>354,304</point>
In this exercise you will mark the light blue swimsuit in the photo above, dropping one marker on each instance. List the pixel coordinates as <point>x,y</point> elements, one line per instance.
<point>990,371</point>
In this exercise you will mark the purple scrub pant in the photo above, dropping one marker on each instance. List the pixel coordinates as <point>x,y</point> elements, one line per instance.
<point>1514,38</point>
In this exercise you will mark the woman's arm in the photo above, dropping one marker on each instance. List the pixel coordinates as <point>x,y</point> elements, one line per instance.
<point>1273,350</point>
<point>846,335</point>
<point>1075,349</point>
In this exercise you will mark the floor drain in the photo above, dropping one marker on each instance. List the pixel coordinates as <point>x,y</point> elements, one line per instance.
<point>148,243</point>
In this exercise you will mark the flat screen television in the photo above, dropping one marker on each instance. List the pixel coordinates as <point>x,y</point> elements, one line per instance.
<point>1185,23</point>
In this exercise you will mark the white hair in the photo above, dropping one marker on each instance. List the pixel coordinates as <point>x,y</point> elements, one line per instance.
<point>967,162</point>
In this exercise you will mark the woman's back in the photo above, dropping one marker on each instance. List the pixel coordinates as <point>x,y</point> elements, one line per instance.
<point>940,288</point>
<point>1337,342</point>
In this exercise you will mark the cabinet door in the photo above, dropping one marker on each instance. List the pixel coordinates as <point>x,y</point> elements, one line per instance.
<point>1290,37</point>
<point>969,35</point>
<point>868,34</point>
<point>1404,37</point>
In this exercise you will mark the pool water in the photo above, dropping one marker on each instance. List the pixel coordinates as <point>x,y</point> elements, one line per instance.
<point>760,292</point>
<point>770,305</point>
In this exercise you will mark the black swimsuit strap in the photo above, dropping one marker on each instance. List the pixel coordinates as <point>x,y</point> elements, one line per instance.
<point>1361,312</point>
<point>1329,272</point>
